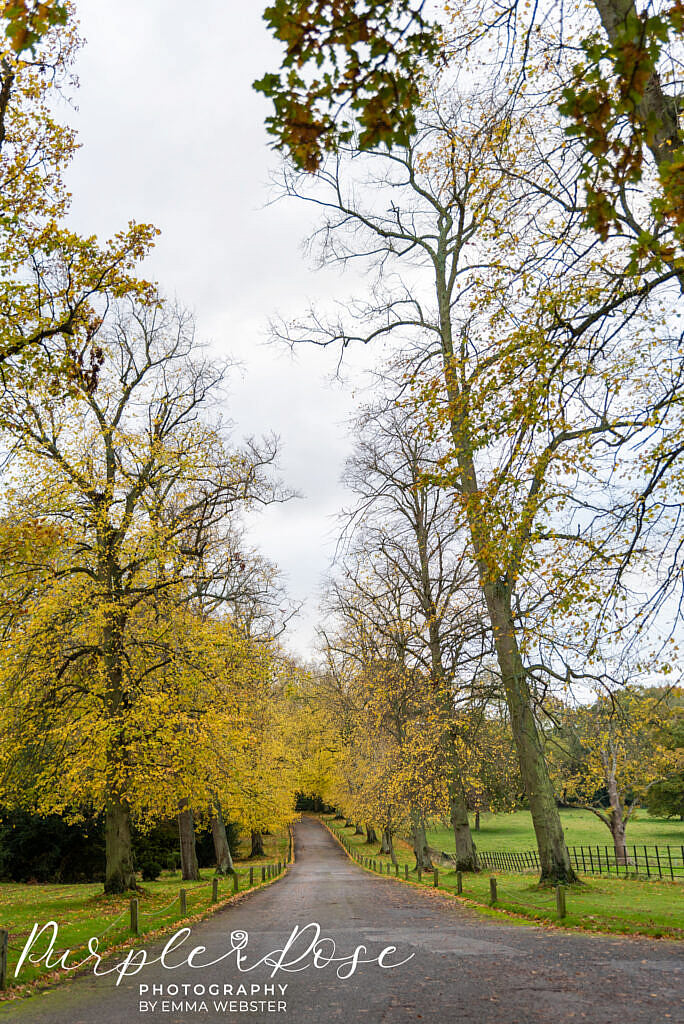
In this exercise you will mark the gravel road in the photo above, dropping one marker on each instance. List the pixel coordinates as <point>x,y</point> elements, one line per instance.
<point>462,967</point>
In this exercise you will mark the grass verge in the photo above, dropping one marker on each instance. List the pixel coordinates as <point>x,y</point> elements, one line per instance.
<point>610,906</point>
<point>84,911</point>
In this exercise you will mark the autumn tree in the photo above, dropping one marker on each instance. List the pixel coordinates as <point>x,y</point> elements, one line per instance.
<point>26,23</point>
<point>610,757</point>
<point>356,70</point>
<point>106,662</point>
<point>665,796</point>
<point>390,697</point>
<point>55,282</point>
<point>406,527</point>
<point>528,352</point>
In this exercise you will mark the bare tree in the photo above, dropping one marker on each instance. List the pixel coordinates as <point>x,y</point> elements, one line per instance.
<point>409,523</point>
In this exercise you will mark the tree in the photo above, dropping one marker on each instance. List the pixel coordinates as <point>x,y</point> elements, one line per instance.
<point>373,52</point>
<point>665,796</point>
<point>349,66</point>
<point>393,727</point>
<point>407,528</point>
<point>530,356</point>
<point>109,670</point>
<point>27,23</point>
<point>54,282</point>
<point>222,851</point>
<point>612,764</point>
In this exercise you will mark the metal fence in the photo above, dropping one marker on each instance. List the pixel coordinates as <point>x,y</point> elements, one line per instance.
<point>664,862</point>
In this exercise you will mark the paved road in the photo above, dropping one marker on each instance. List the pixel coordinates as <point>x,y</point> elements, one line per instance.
<point>462,969</point>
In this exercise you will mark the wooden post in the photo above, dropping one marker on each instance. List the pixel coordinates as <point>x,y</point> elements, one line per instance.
<point>406,872</point>
<point>492,891</point>
<point>183,896</point>
<point>396,870</point>
<point>236,882</point>
<point>263,873</point>
<point>560,901</point>
<point>459,882</point>
<point>435,878</point>
<point>420,875</point>
<point>214,891</point>
<point>4,939</point>
<point>251,876</point>
<point>134,916</point>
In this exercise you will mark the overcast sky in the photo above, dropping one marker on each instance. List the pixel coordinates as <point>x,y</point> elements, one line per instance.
<point>172,133</point>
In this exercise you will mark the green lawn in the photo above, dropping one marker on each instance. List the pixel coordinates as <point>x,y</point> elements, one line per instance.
<point>624,906</point>
<point>514,832</point>
<point>83,911</point>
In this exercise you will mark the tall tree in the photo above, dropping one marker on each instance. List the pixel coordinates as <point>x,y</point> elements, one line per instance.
<point>137,477</point>
<point>526,354</point>
<point>408,528</point>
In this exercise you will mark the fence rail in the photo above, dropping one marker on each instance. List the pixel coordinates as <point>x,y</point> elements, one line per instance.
<point>662,862</point>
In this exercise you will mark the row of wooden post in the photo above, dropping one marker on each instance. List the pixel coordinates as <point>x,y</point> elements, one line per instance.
<point>369,862</point>
<point>267,871</point>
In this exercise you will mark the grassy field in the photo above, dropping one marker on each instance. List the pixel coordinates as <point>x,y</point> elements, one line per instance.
<point>83,911</point>
<point>514,832</point>
<point>599,904</point>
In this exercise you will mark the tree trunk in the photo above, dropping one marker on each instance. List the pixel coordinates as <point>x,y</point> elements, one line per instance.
<point>371,837</point>
<point>257,844</point>
<point>119,873</point>
<point>224,860</point>
<point>657,112</point>
<point>389,839</point>
<point>385,841</point>
<point>358,831</point>
<point>617,830</point>
<point>348,823</point>
<point>497,588</point>
<point>420,844</point>
<point>553,853</point>
<point>188,852</point>
<point>466,857</point>
<point>477,821</point>
<point>616,817</point>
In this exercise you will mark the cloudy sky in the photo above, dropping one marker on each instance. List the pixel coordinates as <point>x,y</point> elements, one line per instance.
<point>172,133</point>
